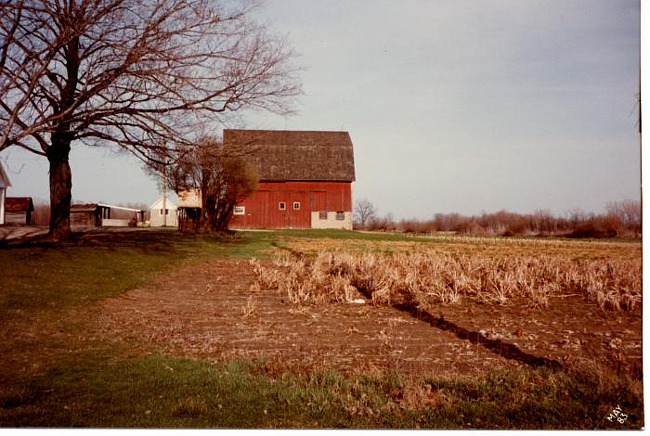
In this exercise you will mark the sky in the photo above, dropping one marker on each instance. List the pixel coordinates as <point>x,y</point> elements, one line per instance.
<point>452,105</point>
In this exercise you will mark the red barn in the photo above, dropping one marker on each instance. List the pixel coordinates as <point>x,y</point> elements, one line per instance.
<point>305,179</point>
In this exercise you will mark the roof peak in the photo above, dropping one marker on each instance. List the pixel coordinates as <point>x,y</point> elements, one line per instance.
<point>297,155</point>
<point>286,130</point>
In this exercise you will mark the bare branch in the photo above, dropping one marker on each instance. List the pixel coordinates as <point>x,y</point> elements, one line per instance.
<point>140,74</point>
<point>74,65</point>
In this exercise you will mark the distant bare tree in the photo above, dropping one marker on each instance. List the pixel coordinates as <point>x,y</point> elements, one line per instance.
<point>577,216</point>
<point>449,222</point>
<point>364,211</point>
<point>628,212</point>
<point>221,174</point>
<point>542,221</point>
<point>135,73</point>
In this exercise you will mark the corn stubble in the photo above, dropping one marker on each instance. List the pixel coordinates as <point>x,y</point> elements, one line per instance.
<point>424,279</point>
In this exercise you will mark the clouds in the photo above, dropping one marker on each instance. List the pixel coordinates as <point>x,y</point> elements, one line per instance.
<point>465,105</point>
<point>458,105</point>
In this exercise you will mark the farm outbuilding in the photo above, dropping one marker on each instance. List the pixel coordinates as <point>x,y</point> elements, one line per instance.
<point>4,185</point>
<point>189,210</point>
<point>99,215</point>
<point>90,214</point>
<point>18,210</point>
<point>163,213</point>
<point>305,179</point>
<point>123,217</point>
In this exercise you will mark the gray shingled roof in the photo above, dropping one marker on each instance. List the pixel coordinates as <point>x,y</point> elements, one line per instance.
<point>290,155</point>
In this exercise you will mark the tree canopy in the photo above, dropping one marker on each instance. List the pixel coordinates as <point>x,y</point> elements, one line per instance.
<point>220,174</point>
<point>145,75</point>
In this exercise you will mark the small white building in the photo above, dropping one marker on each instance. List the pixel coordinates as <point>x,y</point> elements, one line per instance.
<point>163,215</point>
<point>4,185</point>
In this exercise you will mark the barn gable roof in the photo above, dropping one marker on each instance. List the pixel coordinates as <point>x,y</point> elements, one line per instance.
<point>19,204</point>
<point>296,155</point>
<point>158,204</point>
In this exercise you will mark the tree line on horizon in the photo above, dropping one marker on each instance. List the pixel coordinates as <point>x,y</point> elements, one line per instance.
<point>620,219</point>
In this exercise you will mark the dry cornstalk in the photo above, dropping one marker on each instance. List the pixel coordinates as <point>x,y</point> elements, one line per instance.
<point>428,277</point>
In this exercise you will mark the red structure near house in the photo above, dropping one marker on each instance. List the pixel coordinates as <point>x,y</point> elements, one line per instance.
<point>19,210</point>
<point>305,179</point>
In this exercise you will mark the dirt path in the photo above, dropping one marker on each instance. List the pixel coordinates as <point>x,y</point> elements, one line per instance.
<point>209,312</point>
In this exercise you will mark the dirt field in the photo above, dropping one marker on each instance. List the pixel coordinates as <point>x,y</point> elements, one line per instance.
<point>103,321</point>
<point>208,312</point>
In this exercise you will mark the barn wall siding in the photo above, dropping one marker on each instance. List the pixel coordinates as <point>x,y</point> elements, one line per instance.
<point>84,218</point>
<point>22,218</point>
<point>262,208</point>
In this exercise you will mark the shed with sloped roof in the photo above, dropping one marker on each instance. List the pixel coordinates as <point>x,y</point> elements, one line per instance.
<point>89,214</point>
<point>18,210</point>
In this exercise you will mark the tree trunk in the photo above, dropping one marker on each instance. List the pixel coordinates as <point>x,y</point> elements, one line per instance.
<point>59,151</point>
<point>60,188</point>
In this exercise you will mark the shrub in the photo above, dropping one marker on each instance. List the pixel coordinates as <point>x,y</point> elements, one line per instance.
<point>596,228</point>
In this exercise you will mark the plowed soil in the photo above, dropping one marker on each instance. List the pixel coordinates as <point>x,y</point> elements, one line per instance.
<point>209,312</point>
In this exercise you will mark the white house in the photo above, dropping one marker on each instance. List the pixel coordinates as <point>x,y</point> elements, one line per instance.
<point>160,215</point>
<point>4,184</point>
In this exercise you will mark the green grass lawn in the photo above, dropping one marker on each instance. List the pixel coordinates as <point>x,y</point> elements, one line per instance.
<point>45,276</point>
<point>155,391</point>
<point>110,385</point>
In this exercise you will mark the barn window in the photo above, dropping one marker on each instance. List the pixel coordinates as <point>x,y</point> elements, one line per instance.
<point>322,215</point>
<point>340,215</point>
<point>282,205</point>
<point>239,210</point>
<point>296,205</point>
<point>166,211</point>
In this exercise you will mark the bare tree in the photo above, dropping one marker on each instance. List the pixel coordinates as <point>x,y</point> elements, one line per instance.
<point>221,174</point>
<point>135,73</point>
<point>628,212</point>
<point>364,211</point>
